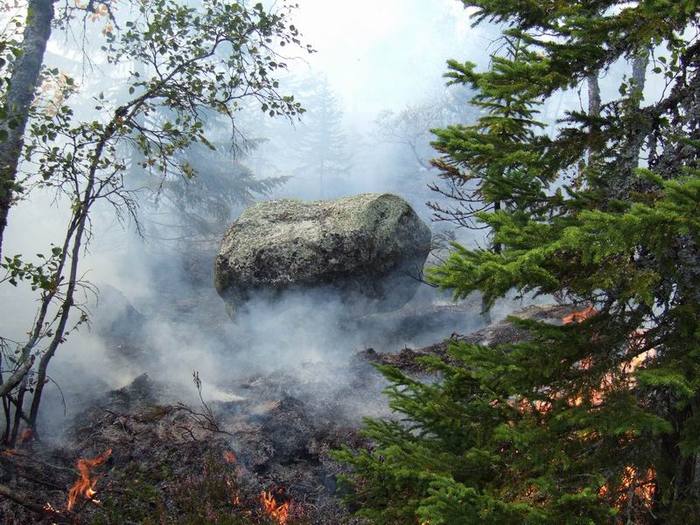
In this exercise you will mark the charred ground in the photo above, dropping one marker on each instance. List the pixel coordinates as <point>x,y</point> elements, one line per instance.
<point>262,457</point>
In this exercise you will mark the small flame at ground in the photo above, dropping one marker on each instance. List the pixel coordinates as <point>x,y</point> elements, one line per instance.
<point>229,457</point>
<point>579,316</point>
<point>85,485</point>
<point>278,512</point>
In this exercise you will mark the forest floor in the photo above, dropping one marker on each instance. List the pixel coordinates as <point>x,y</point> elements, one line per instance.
<point>137,455</point>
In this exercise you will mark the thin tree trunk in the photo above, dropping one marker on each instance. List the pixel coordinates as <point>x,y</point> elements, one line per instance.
<point>594,101</point>
<point>18,375</point>
<point>79,222</point>
<point>5,408</point>
<point>24,82</point>
<point>74,240</point>
<point>639,71</point>
<point>497,207</point>
<point>67,305</point>
<point>8,421</point>
<point>630,154</point>
<point>19,412</point>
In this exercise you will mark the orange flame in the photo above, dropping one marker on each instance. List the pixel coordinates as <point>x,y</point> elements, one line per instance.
<point>278,512</point>
<point>579,316</point>
<point>85,485</point>
<point>229,457</point>
<point>634,484</point>
<point>624,375</point>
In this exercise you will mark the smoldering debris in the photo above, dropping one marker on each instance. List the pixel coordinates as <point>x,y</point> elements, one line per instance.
<point>274,438</point>
<point>267,448</point>
<point>278,388</point>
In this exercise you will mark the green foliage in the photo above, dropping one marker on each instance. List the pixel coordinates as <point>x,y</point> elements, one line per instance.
<point>505,158</point>
<point>39,275</point>
<point>595,421</point>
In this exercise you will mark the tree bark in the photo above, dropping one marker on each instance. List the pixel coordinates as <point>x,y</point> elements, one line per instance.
<point>594,101</point>
<point>24,500</point>
<point>21,499</point>
<point>639,71</point>
<point>636,135</point>
<point>24,82</point>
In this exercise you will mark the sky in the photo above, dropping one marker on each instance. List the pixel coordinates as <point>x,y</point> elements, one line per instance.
<point>386,54</point>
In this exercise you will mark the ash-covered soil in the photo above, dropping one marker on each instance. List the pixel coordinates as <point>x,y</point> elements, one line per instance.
<point>263,455</point>
<point>197,463</point>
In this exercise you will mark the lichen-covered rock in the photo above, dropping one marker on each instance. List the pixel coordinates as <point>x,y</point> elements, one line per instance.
<point>370,248</point>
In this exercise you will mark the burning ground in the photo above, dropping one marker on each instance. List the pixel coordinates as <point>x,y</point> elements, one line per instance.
<point>138,455</point>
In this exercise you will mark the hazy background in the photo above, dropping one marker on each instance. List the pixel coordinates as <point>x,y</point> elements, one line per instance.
<point>373,90</point>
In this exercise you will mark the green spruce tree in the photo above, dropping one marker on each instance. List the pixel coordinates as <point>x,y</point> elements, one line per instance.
<point>501,151</point>
<point>596,420</point>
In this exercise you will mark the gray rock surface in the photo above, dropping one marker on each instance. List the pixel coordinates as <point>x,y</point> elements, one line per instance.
<point>369,247</point>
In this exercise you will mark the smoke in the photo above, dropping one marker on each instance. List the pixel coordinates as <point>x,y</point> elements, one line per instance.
<point>158,315</point>
<point>155,310</point>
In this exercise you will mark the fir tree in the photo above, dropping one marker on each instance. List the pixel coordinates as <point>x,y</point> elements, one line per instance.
<point>322,152</point>
<point>501,151</point>
<point>597,420</point>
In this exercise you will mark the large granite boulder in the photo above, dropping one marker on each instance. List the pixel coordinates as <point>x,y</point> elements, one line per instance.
<point>370,248</point>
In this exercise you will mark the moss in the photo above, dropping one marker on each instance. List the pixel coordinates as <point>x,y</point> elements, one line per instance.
<point>136,502</point>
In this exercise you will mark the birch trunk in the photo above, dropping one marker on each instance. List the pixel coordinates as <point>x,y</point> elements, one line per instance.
<point>24,82</point>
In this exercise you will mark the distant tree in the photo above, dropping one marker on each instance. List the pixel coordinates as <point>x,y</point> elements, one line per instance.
<point>596,420</point>
<point>203,206</point>
<point>409,132</point>
<point>196,209</point>
<point>322,144</point>
<point>410,128</point>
